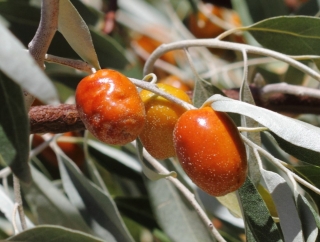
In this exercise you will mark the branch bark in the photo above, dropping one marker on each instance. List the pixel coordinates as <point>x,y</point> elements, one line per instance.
<point>65,117</point>
<point>55,119</point>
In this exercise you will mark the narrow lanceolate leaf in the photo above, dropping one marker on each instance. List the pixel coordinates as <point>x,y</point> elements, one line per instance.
<point>230,201</point>
<point>99,204</point>
<point>77,33</point>
<point>77,201</point>
<point>256,215</point>
<point>246,96</point>
<point>50,205</point>
<point>287,128</point>
<point>306,155</point>
<point>292,35</point>
<point>283,199</point>
<point>7,206</point>
<point>50,233</point>
<point>14,129</point>
<point>174,213</point>
<point>310,173</point>
<point>17,64</point>
<point>309,218</point>
<point>202,91</point>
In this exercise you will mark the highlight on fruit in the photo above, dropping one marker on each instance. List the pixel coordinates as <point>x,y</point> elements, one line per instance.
<point>110,107</point>
<point>210,150</point>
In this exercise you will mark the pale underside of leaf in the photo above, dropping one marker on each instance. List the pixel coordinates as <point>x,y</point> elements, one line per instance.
<point>98,203</point>
<point>76,32</point>
<point>17,64</point>
<point>287,128</point>
<point>51,233</point>
<point>283,199</point>
<point>7,206</point>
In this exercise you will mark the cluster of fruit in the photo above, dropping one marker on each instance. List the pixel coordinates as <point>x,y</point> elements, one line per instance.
<point>206,142</point>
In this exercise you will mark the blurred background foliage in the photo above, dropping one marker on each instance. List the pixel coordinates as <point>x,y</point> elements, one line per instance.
<point>100,190</point>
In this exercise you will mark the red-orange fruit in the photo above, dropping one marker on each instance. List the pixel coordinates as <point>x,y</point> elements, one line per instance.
<point>110,107</point>
<point>162,115</point>
<point>210,150</point>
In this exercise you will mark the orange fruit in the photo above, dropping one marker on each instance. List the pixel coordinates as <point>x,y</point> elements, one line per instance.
<point>161,117</point>
<point>176,82</point>
<point>110,107</point>
<point>210,150</point>
<point>149,45</point>
<point>202,27</point>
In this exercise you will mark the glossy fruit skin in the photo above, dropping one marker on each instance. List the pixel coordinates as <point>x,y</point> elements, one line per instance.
<point>211,151</point>
<point>110,107</point>
<point>162,115</point>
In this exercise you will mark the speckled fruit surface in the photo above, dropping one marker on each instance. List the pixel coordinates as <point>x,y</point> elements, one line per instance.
<point>110,107</point>
<point>162,115</point>
<point>210,150</point>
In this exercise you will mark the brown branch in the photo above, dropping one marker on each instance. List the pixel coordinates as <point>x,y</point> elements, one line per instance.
<point>64,117</point>
<point>54,119</point>
<point>280,102</point>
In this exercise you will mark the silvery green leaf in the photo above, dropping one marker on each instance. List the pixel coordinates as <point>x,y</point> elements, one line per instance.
<point>7,206</point>
<point>287,128</point>
<point>77,33</point>
<point>17,64</point>
<point>283,199</point>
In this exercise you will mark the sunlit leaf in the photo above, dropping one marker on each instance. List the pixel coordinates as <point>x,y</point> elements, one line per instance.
<point>50,205</point>
<point>98,204</point>
<point>230,201</point>
<point>256,214</point>
<point>77,33</point>
<point>245,95</point>
<point>50,233</point>
<point>77,201</point>
<point>202,91</point>
<point>301,153</point>
<point>7,206</point>
<point>309,218</point>
<point>292,35</point>
<point>287,128</point>
<point>151,15</point>
<point>174,213</point>
<point>283,199</point>
<point>17,64</point>
<point>14,129</point>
